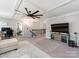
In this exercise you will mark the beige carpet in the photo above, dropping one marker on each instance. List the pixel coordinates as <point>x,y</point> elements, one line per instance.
<point>54,48</point>
<point>25,50</point>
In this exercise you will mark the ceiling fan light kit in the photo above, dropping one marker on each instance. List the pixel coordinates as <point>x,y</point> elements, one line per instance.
<point>33,15</point>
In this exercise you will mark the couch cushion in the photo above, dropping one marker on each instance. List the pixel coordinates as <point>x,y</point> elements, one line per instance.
<point>8,42</point>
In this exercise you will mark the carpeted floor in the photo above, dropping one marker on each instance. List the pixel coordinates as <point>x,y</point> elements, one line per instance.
<point>25,50</point>
<point>54,48</point>
<point>41,47</point>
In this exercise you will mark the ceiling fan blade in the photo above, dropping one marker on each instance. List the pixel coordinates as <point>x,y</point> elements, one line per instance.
<point>20,12</point>
<point>27,10</point>
<point>35,12</point>
<point>38,15</point>
<point>33,17</point>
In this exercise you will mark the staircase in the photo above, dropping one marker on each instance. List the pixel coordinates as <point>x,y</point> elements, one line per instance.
<point>32,33</point>
<point>28,32</point>
<point>35,32</point>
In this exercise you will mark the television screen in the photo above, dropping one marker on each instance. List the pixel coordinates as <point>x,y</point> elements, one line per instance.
<point>4,29</point>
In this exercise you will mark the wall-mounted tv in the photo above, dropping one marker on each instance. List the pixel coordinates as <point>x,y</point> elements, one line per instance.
<point>60,27</point>
<point>5,29</point>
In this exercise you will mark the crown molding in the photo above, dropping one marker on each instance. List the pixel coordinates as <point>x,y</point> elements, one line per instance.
<point>60,5</point>
<point>69,14</point>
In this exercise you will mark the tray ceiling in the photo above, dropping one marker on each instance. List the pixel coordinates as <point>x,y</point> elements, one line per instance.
<point>50,8</point>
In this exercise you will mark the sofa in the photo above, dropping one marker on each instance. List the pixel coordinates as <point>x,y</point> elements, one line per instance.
<point>8,45</point>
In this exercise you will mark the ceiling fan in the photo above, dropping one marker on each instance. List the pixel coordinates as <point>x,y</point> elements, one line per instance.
<point>33,15</point>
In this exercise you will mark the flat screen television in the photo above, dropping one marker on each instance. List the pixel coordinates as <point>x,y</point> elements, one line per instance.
<point>60,27</point>
<point>5,29</point>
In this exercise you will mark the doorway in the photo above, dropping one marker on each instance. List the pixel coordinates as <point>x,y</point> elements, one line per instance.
<point>19,28</point>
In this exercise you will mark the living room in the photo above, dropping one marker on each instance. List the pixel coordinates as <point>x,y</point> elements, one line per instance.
<point>49,28</point>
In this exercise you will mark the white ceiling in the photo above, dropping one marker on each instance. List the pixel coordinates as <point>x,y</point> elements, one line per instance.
<point>43,5</point>
<point>72,6</point>
<point>50,8</point>
<point>7,7</point>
